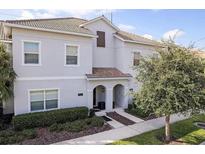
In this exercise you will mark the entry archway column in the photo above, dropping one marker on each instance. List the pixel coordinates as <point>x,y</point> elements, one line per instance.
<point>90,98</point>
<point>126,97</point>
<point>109,99</point>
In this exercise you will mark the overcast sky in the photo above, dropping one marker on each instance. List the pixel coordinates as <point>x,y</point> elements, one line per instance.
<point>186,26</point>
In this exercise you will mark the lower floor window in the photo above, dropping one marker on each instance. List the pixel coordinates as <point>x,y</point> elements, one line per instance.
<point>44,99</point>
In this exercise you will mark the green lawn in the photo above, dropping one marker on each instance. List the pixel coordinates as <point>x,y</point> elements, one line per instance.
<point>183,130</point>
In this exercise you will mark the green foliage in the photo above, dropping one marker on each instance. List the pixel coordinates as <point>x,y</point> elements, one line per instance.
<point>7,75</point>
<point>78,125</point>
<point>138,112</point>
<point>184,130</point>
<point>42,119</point>
<point>172,83</point>
<point>11,137</point>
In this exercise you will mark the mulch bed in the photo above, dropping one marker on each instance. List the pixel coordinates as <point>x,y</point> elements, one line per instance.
<point>44,136</point>
<point>120,118</point>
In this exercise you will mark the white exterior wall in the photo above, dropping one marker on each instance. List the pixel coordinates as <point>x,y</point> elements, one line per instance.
<point>52,74</point>
<point>103,57</point>
<point>125,56</point>
<point>52,54</point>
<point>68,93</point>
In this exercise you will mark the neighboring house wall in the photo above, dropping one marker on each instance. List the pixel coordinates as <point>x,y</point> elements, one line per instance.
<point>103,57</point>
<point>8,106</point>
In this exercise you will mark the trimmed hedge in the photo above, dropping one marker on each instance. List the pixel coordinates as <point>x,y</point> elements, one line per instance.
<point>42,119</point>
<point>78,125</point>
<point>11,137</point>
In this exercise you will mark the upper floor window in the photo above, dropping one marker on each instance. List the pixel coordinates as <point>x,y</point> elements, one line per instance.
<point>136,60</point>
<point>155,55</point>
<point>100,39</point>
<point>72,55</point>
<point>43,100</point>
<point>31,52</point>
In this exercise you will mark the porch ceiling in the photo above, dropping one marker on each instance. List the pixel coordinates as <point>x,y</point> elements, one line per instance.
<point>107,72</point>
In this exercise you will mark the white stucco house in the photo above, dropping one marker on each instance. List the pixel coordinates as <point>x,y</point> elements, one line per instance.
<point>71,62</point>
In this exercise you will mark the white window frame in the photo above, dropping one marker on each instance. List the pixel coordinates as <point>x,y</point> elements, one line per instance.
<point>44,89</point>
<point>39,53</point>
<point>78,58</point>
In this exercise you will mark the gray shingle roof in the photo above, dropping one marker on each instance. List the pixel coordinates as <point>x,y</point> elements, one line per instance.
<point>60,24</point>
<point>108,72</point>
<point>137,38</point>
<point>73,25</point>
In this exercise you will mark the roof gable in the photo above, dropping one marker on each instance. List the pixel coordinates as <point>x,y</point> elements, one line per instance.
<point>103,18</point>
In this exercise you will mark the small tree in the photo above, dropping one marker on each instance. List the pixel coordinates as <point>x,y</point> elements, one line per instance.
<point>7,75</point>
<point>172,83</point>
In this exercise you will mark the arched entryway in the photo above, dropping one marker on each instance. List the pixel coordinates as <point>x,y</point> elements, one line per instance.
<point>118,96</point>
<point>99,97</point>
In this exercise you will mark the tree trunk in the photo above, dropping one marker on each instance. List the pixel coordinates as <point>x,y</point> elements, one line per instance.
<point>167,128</point>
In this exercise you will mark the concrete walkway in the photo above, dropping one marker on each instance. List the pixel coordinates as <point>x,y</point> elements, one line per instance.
<point>203,143</point>
<point>122,132</point>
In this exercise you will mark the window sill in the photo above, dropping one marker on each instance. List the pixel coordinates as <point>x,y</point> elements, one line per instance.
<point>31,65</point>
<point>72,65</point>
<point>44,110</point>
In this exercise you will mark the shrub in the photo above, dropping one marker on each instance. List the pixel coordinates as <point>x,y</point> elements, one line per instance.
<point>29,133</point>
<point>95,122</point>
<point>42,119</point>
<point>10,136</point>
<point>78,125</point>
<point>136,111</point>
<point>54,127</point>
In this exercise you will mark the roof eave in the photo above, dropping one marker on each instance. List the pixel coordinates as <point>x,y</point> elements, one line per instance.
<point>107,78</point>
<point>49,30</point>
<point>130,41</point>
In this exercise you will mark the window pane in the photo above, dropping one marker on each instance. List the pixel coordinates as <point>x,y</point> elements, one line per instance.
<point>136,55</point>
<point>72,50</point>
<point>31,47</point>
<point>51,94</point>
<point>38,105</point>
<point>36,96</point>
<point>72,60</point>
<point>155,55</point>
<point>51,104</point>
<point>101,39</point>
<point>31,58</point>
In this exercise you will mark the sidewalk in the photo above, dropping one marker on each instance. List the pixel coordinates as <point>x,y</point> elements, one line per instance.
<point>122,132</point>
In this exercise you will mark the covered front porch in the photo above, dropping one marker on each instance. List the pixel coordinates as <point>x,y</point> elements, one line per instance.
<point>108,91</point>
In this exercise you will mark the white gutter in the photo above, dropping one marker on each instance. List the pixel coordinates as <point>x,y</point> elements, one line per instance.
<point>49,30</point>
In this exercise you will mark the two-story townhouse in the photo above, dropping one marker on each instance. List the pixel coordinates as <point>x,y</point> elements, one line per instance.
<point>71,62</point>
